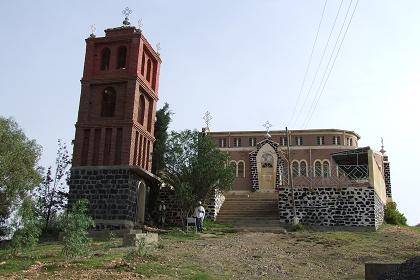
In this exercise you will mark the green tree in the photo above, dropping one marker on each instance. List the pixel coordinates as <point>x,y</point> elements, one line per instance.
<point>393,216</point>
<point>195,167</point>
<point>75,224</point>
<point>26,226</point>
<point>163,118</point>
<point>19,171</point>
<point>52,192</point>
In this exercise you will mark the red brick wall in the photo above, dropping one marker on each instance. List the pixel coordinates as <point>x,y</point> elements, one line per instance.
<point>129,83</point>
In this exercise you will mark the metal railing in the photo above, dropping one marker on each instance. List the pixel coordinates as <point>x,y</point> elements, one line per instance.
<point>330,175</point>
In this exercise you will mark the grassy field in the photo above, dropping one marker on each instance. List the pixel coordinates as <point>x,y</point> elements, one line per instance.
<point>218,255</point>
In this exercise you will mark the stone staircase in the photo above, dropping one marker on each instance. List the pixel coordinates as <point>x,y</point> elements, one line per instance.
<point>255,212</point>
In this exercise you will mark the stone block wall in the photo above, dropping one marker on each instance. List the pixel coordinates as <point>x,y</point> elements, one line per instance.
<point>173,209</point>
<point>112,195</point>
<point>174,213</point>
<point>331,206</point>
<point>213,204</point>
<point>387,177</point>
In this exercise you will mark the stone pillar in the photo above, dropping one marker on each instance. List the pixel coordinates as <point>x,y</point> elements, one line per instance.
<point>387,177</point>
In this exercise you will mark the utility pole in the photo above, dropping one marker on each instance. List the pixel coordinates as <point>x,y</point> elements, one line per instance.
<point>295,219</point>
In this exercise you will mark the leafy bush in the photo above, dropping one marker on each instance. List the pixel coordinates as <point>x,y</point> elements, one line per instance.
<point>393,216</point>
<point>74,225</point>
<point>298,227</point>
<point>143,251</point>
<point>27,228</point>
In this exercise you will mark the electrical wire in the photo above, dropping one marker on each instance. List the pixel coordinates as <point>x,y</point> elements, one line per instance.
<point>309,63</point>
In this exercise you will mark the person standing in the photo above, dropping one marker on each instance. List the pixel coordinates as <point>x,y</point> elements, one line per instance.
<point>162,213</point>
<point>199,214</point>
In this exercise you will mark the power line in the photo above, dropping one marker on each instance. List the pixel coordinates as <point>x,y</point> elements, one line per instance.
<point>309,62</point>
<point>321,59</point>
<point>332,66</point>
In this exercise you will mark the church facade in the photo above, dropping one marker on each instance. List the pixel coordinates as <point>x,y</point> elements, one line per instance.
<point>322,175</point>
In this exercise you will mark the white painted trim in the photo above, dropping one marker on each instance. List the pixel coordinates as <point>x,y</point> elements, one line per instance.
<point>300,168</point>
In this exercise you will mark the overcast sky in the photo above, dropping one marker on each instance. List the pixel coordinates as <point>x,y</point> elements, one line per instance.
<point>244,61</point>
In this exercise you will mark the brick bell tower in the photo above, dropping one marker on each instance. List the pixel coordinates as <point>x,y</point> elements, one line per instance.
<point>115,127</point>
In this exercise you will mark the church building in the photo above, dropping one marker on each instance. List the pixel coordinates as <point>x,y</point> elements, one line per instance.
<point>319,176</point>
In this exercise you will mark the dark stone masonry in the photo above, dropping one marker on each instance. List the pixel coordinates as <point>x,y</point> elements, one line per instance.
<point>329,206</point>
<point>112,195</point>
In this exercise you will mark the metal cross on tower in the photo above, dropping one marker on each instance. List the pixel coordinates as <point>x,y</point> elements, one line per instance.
<point>267,126</point>
<point>382,151</point>
<point>158,48</point>
<point>92,30</point>
<point>207,118</point>
<point>140,23</point>
<point>127,11</point>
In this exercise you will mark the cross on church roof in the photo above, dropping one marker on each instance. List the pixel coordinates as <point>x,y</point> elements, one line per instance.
<point>382,151</point>
<point>127,11</point>
<point>92,30</point>
<point>267,126</point>
<point>140,23</point>
<point>207,118</point>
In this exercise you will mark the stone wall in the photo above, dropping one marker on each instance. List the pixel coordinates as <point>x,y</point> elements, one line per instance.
<point>330,206</point>
<point>173,210</point>
<point>213,204</point>
<point>387,177</point>
<point>174,213</point>
<point>112,195</point>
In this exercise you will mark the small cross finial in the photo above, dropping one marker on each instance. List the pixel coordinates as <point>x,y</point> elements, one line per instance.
<point>158,48</point>
<point>382,151</point>
<point>126,12</point>
<point>267,126</point>
<point>92,30</point>
<point>207,118</point>
<point>140,23</point>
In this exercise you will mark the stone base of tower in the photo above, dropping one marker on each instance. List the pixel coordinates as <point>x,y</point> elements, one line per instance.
<point>116,194</point>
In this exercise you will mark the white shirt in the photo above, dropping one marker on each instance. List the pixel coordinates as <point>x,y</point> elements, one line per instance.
<point>199,212</point>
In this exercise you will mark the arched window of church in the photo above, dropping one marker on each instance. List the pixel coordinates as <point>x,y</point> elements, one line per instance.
<point>234,166</point>
<point>109,98</point>
<point>122,57</point>
<point>105,55</point>
<point>303,168</point>
<point>326,169</point>
<point>241,169</point>
<point>149,69</point>
<point>318,169</point>
<point>295,169</point>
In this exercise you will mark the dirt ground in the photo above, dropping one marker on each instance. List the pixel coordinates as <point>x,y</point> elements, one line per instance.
<point>295,255</point>
<point>302,255</point>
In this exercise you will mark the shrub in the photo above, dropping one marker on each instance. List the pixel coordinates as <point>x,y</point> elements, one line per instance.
<point>298,227</point>
<point>27,228</point>
<point>74,225</point>
<point>393,216</point>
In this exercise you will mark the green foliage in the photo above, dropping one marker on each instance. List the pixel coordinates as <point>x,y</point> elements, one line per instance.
<point>52,192</point>
<point>74,225</point>
<point>163,118</point>
<point>142,252</point>
<point>195,167</point>
<point>393,216</point>
<point>27,230</point>
<point>298,227</point>
<point>19,172</point>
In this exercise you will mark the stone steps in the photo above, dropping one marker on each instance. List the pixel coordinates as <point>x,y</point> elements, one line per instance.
<point>253,212</point>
